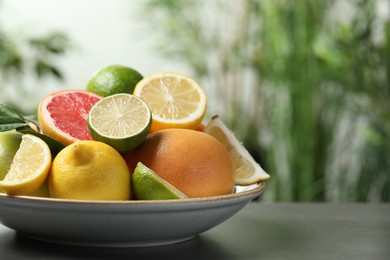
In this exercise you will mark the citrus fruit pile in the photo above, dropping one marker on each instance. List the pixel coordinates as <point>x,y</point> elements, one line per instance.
<point>125,137</point>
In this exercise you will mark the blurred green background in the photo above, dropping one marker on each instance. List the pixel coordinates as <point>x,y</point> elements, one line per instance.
<point>304,84</point>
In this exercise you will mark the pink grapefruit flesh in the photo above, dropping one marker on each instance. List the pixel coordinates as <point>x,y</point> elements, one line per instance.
<point>63,115</point>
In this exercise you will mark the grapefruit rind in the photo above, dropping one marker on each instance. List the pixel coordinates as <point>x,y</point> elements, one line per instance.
<point>48,124</point>
<point>194,162</point>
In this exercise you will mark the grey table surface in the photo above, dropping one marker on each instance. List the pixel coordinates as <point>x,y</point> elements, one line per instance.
<point>259,231</point>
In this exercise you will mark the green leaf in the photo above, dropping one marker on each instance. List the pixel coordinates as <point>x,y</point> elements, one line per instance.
<point>11,126</point>
<point>55,146</point>
<point>6,119</point>
<point>11,118</point>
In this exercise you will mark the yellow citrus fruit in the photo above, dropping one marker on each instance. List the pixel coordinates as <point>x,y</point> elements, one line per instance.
<point>89,170</point>
<point>192,161</point>
<point>176,100</point>
<point>247,170</point>
<point>113,79</point>
<point>121,120</point>
<point>9,144</point>
<point>42,191</point>
<point>29,167</point>
<point>147,185</point>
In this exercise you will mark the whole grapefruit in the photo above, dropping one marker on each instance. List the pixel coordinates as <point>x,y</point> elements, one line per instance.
<point>192,161</point>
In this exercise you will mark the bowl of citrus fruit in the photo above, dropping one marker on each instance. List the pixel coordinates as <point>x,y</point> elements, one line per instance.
<point>126,161</point>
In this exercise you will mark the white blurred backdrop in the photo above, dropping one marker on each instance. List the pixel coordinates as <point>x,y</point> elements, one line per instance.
<point>102,32</point>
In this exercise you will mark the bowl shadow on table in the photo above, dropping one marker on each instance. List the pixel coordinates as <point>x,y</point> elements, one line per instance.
<point>20,246</point>
<point>270,239</point>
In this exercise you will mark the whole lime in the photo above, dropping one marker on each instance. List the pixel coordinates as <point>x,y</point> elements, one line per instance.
<point>114,79</point>
<point>9,144</point>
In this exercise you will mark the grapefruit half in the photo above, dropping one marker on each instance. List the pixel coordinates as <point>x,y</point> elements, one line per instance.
<point>62,115</point>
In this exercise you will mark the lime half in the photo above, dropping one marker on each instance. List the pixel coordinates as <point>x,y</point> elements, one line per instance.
<point>147,185</point>
<point>122,121</point>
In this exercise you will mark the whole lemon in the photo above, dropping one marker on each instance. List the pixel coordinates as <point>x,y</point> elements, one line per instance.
<point>89,170</point>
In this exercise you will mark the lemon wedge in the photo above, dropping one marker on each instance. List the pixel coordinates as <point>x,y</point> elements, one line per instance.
<point>29,168</point>
<point>247,170</point>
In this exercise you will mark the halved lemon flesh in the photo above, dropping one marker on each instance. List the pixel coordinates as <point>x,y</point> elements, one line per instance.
<point>247,170</point>
<point>176,100</point>
<point>29,167</point>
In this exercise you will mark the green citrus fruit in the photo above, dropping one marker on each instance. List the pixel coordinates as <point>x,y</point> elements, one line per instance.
<point>9,144</point>
<point>147,185</point>
<point>121,120</point>
<point>114,79</point>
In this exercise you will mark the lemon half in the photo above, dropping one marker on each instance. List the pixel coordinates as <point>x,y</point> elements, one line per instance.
<point>176,100</point>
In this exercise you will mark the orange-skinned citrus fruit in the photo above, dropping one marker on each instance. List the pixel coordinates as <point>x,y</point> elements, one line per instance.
<point>192,161</point>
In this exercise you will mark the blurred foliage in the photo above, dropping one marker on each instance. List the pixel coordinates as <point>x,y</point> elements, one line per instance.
<point>34,54</point>
<point>22,55</point>
<point>305,84</point>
